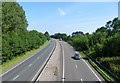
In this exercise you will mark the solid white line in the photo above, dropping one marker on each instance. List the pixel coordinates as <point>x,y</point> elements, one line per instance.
<point>76,66</point>
<point>81,80</point>
<point>30,65</point>
<point>33,79</point>
<point>63,65</point>
<point>16,77</point>
<point>92,71</point>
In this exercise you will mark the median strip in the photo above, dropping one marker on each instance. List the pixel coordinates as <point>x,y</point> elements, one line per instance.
<point>37,75</point>
<point>63,73</point>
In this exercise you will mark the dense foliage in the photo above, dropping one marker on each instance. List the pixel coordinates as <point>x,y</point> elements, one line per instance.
<point>60,36</point>
<point>104,42</point>
<point>13,17</point>
<point>47,35</point>
<point>16,39</point>
<point>102,45</point>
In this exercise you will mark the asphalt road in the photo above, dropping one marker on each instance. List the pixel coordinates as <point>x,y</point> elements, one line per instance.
<point>77,70</point>
<point>28,69</point>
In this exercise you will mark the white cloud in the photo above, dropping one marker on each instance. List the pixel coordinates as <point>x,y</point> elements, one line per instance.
<point>61,12</point>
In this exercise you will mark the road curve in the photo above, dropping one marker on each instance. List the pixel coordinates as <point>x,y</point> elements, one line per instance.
<point>28,69</point>
<point>77,70</point>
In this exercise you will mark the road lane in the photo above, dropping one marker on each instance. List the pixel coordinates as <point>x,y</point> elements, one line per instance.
<point>77,70</point>
<point>27,70</point>
<point>53,69</point>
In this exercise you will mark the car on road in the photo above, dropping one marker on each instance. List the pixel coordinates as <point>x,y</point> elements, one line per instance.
<point>77,56</point>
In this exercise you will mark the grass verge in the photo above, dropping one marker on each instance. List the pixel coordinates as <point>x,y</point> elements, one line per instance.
<point>102,72</point>
<point>11,63</point>
<point>112,63</point>
<point>83,55</point>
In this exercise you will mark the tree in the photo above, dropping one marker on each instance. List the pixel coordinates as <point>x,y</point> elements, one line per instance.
<point>16,38</point>
<point>13,17</point>
<point>77,33</point>
<point>47,35</point>
<point>60,35</point>
<point>80,42</point>
<point>112,47</point>
<point>102,29</point>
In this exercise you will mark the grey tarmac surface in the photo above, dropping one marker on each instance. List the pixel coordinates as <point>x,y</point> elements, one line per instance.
<point>28,69</point>
<point>77,70</point>
<point>72,70</point>
<point>52,71</point>
<point>61,64</point>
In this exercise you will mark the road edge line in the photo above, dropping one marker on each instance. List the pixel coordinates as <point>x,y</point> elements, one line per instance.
<point>92,70</point>
<point>22,62</point>
<point>35,78</point>
<point>63,73</point>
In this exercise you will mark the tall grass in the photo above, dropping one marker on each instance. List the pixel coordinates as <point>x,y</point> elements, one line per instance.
<point>111,63</point>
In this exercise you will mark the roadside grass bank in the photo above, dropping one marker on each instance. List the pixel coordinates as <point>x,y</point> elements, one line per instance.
<point>100,70</point>
<point>103,73</point>
<point>11,63</point>
<point>112,64</point>
<point>84,55</point>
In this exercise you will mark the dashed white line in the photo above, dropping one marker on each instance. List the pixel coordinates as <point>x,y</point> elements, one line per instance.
<point>30,65</point>
<point>16,77</point>
<point>33,79</point>
<point>20,63</point>
<point>92,71</point>
<point>76,66</point>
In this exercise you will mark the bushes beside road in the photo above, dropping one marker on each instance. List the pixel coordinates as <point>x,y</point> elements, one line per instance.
<point>111,63</point>
<point>101,44</point>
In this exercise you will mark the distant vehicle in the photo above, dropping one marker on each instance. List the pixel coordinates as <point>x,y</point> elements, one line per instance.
<point>77,56</point>
<point>60,39</point>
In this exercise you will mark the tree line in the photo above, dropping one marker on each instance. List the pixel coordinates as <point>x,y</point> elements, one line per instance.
<point>104,42</point>
<point>16,39</point>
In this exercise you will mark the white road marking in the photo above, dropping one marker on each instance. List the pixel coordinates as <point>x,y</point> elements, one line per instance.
<point>63,77</point>
<point>76,66</point>
<point>33,79</point>
<point>16,77</point>
<point>81,80</point>
<point>30,65</point>
<point>92,71</point>
<point>20,63</point>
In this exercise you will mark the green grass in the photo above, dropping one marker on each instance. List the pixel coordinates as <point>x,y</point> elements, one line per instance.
<point>102,72</point>
<point>11,63</point>
<point>112,63</point>
<point>84,55</point>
